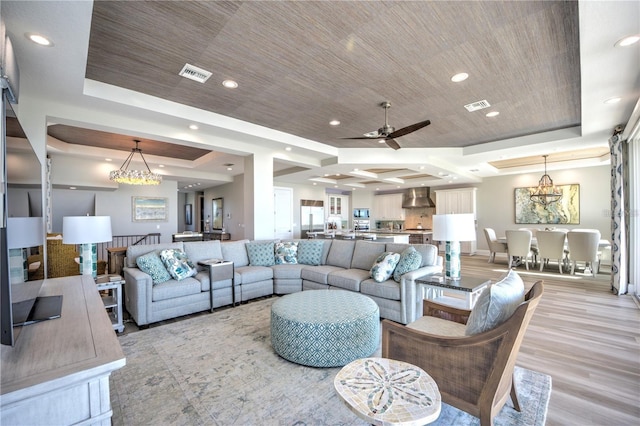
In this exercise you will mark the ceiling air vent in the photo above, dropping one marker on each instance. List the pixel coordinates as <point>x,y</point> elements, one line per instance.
<point>194,73</point>
<point>477,105</point>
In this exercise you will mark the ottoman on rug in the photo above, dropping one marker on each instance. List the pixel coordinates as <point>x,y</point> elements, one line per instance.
<point>325,328</point>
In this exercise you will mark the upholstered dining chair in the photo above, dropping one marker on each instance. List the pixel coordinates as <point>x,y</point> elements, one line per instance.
<point>583,247</point>
<point>495,246</point>
<point>551,246</point>
<point>519,245</point>
<point>474,373</point>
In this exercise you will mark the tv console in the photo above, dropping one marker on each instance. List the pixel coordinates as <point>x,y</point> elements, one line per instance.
<point>58,371</point>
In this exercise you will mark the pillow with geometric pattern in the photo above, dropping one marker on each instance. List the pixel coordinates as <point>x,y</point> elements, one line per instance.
<point>261,254</point>
<point>151,264</point>
<point>178,264</point>
<point>310,252</point>
<point>410,260</point>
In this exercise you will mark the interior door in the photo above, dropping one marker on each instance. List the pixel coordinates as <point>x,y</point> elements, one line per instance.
<point>283,213</point>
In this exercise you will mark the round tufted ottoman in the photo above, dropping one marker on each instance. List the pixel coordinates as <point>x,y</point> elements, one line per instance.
<point>325,328</point>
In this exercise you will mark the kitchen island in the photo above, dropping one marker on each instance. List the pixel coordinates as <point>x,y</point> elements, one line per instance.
<point>386,237</point>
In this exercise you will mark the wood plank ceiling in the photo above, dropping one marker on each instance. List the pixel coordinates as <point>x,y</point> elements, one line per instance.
<point>301,64</point>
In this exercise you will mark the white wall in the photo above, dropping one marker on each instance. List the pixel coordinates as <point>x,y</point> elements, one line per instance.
<point>496,205</point>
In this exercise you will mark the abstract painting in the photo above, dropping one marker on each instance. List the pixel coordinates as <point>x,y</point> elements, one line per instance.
<point>564,211</point>
<point>149,209</point>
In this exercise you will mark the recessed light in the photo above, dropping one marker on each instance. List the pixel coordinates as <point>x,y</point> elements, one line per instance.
<point>334,122</point>
<point>627,41</point>
<point>72,187</point>
<point>613,100</point>
<point>108,159</point>
<point>460,77</point>
<point>422,184</point>
<point>493,114</point>
<point>229,168</point>
<point>160,165</point>
<point>315,183</point>
<point>288,148</point>
<point>39,39</point>
<point>335,186</point>
<point>230,84</point>
<point>421,167</point>
<point>381,141</point>
<point>193,127</point>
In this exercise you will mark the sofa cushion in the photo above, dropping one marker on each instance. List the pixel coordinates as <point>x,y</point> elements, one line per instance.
<point>178,264</point>
<point>261,254</point>
<point>286,253</point>
<point>318,274</point>
<point>172,289</point>
<point>310,252</point>
<point>410,260</point>
<point>340,253</point>
<point>252,274</point>
<point>438,326</point>
<point>203,250</point>
<point>348,279</point>
<point>365,253</point>
<point>384,266</point>
<point>235,251</point>
<point>134,251</point>
<point>388,289</point>
<point>496,304</point>
<point>151,264</point>
<point>287,271</point>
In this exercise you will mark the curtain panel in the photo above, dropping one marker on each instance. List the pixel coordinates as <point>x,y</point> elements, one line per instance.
<point>619,205</point>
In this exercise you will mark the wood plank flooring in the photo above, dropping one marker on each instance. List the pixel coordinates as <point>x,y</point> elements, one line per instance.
<point>586,338</point>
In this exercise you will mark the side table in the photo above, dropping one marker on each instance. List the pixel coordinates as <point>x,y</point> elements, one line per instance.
<point>388,392</point>
<point>432,287</point>
<point>112,300</point>
<point>221,270</point>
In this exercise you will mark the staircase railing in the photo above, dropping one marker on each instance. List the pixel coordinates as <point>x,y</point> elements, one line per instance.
<point>126,241</point>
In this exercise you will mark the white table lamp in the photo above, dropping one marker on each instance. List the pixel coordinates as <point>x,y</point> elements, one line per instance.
<point>87,231</point>
<point>453,228</point>
<point>22,233</point>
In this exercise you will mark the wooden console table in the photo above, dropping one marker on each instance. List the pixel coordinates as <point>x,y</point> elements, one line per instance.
<point>58,371</point>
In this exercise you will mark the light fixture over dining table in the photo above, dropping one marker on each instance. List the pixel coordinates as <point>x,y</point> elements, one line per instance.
<point>546,192</point>
<point>135,177</point>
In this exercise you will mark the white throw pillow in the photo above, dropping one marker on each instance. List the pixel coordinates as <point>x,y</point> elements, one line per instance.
<point>496,304</point>
<point>384,265</point>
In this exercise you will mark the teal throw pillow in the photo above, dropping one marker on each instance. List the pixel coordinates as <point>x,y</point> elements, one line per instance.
<point>384,265</point>
<point>310,252</point>
<point>261,254</point>
<point>496,304</point>
<point>178,264</point>
<point>410,260</point>
<point>286,253</point>
<point>151,264</point>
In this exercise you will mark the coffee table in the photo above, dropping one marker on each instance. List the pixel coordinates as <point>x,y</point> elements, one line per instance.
<point>433,287</point>
<point>388,392</point>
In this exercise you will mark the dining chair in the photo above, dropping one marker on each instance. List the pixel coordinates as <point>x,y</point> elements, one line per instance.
<point>495,246</point>
<point>583,247</point>
<point>551,246</point>
<point>519,245</point>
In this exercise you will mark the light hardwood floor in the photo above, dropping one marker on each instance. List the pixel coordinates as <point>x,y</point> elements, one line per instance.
<point>586,338</point>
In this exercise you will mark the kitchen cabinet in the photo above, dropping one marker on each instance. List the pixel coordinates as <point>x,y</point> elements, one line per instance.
<point>338,206</point>
<point>388,207</point>
<point>461,200</point>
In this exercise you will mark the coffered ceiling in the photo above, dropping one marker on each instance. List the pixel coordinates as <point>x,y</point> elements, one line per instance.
<point>300,65</point>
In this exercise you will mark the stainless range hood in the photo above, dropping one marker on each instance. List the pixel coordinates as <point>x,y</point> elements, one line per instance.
<point>417,198</point>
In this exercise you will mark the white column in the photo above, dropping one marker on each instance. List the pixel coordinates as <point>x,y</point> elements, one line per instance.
<point>258,197</point>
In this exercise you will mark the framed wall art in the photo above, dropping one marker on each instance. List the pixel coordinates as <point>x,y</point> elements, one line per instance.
<point>149,209</point>
<point>564,211</point>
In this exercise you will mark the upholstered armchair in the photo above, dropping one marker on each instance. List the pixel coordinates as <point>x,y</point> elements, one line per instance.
<point>474,372</point>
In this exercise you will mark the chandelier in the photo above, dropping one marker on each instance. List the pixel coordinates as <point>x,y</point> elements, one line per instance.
<point>135,177</point>
<point>546,193</point>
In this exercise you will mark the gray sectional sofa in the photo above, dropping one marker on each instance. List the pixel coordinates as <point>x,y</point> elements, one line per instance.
<point>343,264</point>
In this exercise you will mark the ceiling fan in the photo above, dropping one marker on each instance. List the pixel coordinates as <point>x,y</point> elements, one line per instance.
<point>389,133</point>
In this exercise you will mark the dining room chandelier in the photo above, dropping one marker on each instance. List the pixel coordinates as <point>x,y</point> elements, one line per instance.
<point>135,177</point>
<point>546,192</point>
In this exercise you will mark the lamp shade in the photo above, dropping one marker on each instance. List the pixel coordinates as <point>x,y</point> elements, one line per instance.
<point>454,227</point>
<point>86,229</point>
<point>23,232</point>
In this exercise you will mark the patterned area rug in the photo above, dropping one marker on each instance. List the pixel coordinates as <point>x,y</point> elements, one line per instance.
<point>220,369</point>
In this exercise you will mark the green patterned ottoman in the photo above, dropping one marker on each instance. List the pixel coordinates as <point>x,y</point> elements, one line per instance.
<point>325,328</point>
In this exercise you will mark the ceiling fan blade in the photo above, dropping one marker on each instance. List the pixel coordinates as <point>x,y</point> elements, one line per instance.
<point>392,144</point>
<point>409,129</point>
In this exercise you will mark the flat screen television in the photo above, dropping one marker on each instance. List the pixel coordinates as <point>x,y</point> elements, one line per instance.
<point>21,175</point>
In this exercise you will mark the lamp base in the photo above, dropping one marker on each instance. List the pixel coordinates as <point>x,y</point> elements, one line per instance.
<point>452,260</point>
<point>89,259</point>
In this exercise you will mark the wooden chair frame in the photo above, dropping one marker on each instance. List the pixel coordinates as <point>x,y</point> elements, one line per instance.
<point>473,373</point>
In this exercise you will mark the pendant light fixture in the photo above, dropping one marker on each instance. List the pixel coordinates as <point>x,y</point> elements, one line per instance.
<point>135,177</point>
<point>546,193</point>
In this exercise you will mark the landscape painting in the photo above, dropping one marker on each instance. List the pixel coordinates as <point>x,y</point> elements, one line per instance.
<point>149,209</point>
<point>564,211</point>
